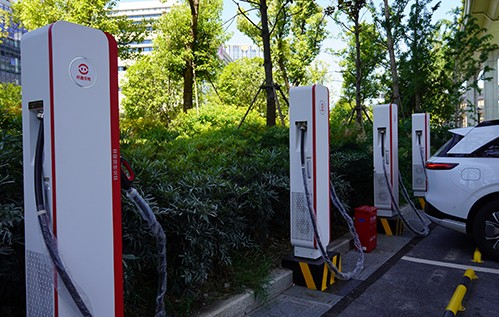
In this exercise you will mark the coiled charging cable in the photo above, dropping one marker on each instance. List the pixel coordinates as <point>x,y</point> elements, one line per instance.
<point>334,198</point>
<point>127,177</point>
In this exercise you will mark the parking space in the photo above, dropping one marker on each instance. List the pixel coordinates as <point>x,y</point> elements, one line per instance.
<point>403,276</point>
<point>421,278</point>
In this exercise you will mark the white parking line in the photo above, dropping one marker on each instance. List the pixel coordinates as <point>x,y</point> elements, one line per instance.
<point>452,265</point>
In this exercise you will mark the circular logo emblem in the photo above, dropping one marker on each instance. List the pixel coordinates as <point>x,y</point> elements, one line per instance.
<point>82,71</point>
<point>322,107</point>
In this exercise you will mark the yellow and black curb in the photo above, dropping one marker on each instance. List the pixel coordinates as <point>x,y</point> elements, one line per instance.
<point>313,274</point>
<point>392,226</point>
<point>456,302</point>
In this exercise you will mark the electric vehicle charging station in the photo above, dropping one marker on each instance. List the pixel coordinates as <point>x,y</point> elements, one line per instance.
<point>71,172</point>
<point>309,132</point>
<point>385,152</point>
<point>310,193</point>
<point>420,152</point>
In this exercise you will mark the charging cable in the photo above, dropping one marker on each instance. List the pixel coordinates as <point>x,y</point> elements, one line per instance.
<point>425,229</point>
<point>419,134</point>
<point>44,221</point>
<point>127,177</point>
<point>334,198</point>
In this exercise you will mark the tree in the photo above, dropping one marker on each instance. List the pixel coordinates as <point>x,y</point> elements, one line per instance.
<point>5,22</point>
<point>372,55</point>
<point>10,107</point>
<point>466,47</point>
<point>294,31</point>
<point>152,93</point>
<point>317,73</point>
<point>189,70</point>
<point>391,23</point>
<point>34,14</point>
<point>352,9</point>
<point>417,63</point>
<point>262,28</point>
<point>189,37</point>
<point>240,80</point>
<point>155,87</point>
<point>296,37</point>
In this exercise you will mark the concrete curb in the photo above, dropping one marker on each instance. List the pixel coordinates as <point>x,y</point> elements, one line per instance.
<point>281,280</point>
<point>242,304</point>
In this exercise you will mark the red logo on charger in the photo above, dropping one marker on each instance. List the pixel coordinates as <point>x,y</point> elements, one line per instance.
<point>83,69</point>
<point>322,107</point>
<point>83,72</point>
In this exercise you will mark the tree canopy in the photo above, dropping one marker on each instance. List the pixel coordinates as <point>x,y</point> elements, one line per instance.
<point>34,14</point>
<point>429,61</point>
<point>372,56</point>
<point>165,82</point>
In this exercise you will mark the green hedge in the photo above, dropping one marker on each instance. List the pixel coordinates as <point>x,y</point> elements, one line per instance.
<point>221,194</point>
<point>217,190</point>
<point>12,291</point>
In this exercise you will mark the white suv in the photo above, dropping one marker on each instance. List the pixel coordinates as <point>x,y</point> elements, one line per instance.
<point>463,185</point>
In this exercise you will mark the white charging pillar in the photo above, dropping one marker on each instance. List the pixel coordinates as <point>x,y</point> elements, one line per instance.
<point>309,106</point>
<point>385,152</point>
<point>420,152</point>
<point>70,73</point>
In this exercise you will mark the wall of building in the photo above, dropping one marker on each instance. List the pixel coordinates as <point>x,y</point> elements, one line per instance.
<point>10,51</point>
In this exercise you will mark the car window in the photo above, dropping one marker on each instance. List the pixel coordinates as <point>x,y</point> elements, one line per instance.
<point>442,152</point>
<point>489,150</point>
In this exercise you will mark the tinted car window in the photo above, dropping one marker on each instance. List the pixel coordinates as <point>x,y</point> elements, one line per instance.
<point>489,150</point>
<point>442,152</point>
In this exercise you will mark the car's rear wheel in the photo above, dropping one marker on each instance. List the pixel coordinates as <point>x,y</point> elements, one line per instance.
<point>486,229</point>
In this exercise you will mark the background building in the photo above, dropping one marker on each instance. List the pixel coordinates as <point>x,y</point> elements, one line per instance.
<point>237,51</point>
<point>487,14</point>
<point>10,51</point>
<point>138,11</point>
<point>144,10</point>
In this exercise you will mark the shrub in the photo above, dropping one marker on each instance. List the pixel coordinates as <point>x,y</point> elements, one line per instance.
<point>351,159</point>
<point>217,190</point>
<point>11,214</point>
<point>239,83</point>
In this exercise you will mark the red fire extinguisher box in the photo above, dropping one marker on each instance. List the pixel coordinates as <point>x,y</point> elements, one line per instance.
<point>365,225</point>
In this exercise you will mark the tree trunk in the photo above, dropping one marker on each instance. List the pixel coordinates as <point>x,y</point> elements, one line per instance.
<point>391,52</point>
<point>280,62</point>
<point>358,71</point>
<point>189,63</point>
<point>188,82</point>
<point>267,64</point>
<point>417,101</point>
<point>284,72</point>
<point>415,55</point>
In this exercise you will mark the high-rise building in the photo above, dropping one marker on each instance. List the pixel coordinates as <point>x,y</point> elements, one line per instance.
<point>143,10</point>
<point>237,51</point>
<point>10,51</point>
<point>138,11</point>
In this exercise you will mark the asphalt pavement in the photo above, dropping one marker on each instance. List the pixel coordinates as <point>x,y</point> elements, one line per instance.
<point>403,276</point>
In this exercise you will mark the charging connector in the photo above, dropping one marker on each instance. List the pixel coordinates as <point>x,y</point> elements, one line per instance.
<point>302,125</point>
<point>419,133</point>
